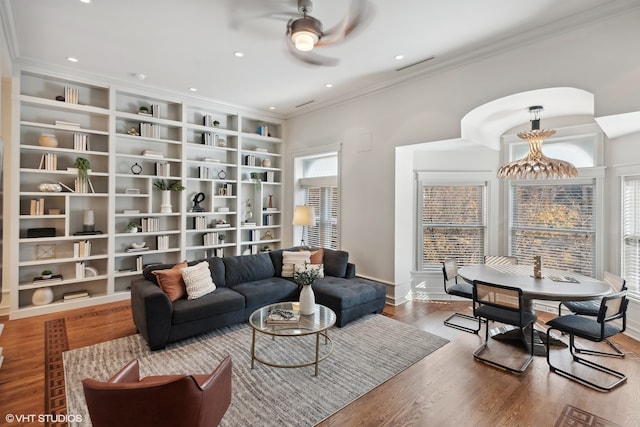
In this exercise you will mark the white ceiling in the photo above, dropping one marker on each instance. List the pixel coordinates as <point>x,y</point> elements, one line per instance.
<point>190,43</point>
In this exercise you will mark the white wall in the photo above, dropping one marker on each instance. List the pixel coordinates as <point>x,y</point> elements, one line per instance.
<point>602,58</point>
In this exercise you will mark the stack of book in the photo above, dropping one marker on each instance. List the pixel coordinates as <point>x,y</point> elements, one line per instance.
<point>49,162</point>
<point>82,249</point>
<point>80,142</point>
<point>36,207</point>
<point>282,317</point>
<point>74,296</point>
<point>53,279</point>
<point>150,224</point>
<point>162,243</point>
<point>149,130</point>
<point>71,95</point>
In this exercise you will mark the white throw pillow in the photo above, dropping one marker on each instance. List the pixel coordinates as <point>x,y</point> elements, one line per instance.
<point>319,267</point>
<point>197,280</point>
<point>291,259</point>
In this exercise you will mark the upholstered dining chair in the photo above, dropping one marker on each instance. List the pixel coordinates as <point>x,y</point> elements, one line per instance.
<point>500,260</point>
<point>460,289</point>
<point>592,308</point>
<point>165,400</point>
<point>502,304</point>
<point>612,307</point>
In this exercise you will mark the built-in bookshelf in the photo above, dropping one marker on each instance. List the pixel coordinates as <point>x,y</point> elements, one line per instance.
<point>225,160</point>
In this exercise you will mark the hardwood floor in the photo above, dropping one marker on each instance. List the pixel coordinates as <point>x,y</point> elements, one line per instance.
<point>446,388</point>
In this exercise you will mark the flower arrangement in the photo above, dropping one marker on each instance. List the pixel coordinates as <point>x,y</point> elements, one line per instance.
<point>306,276</point>
<point>161,184</point>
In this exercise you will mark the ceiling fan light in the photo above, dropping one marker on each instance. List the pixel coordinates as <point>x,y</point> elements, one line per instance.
<point>304,40</point>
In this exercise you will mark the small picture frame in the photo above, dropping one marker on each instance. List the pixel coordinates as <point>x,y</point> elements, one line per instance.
<point>45,251</point>
<point>222,191</point>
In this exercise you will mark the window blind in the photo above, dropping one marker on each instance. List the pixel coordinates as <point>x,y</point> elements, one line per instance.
<point>556,222</point>
<point>631,234</point>
<point>453,222</point>
<point>325,202</point>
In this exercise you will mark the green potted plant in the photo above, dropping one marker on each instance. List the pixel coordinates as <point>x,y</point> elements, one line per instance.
<point>132,227</point>
<point>83,165</point>
<point>222,238</point>
<point>161,184</point>
<point>46,274</point>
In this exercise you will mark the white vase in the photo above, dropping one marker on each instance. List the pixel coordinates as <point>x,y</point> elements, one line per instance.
<point>165,205</point>
<point>42,296</point>
<point>307,300</point>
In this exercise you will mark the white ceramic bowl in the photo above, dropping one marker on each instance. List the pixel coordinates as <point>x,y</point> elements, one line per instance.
<point>135,245</point>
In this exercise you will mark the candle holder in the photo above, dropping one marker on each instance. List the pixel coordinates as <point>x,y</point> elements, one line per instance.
<point>537,267</point>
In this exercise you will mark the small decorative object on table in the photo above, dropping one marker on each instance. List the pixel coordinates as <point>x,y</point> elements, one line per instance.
<point>537,267</point>
<point>279,316</point>
<point>48,140</point>
<point>305,278</point>
<point>197,199</point>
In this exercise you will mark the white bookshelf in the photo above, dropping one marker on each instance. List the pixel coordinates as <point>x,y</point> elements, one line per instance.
<point>203,145</point>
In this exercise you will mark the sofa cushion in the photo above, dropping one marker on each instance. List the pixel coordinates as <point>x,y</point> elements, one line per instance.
<point>216,267</point>
<point>247,268</point>
<point>170,281</point>
<point>335,262</point>
<point>317,256</point>
<point>197,280</point>
<point>292,259</point>
<point>222,300</point>
<point>258,293</point>
<point>341,294</point>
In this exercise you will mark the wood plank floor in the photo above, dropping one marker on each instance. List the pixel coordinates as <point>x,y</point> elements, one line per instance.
<point>446,388</point>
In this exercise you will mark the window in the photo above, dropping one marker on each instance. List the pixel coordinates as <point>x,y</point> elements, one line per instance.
<point>318,187</point>
<point>631,233</point>
<point>555,221</point>
<point>453,223</point>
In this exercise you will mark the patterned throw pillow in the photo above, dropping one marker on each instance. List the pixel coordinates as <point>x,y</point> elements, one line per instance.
<point>170,281</point>
<point>291,259</point>
<point>197,280</point>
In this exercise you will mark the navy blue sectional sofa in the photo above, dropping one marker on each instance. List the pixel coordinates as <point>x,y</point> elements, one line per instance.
<point>245,283</point>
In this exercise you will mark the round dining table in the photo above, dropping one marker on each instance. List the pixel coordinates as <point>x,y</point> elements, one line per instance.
<point>554,285</point>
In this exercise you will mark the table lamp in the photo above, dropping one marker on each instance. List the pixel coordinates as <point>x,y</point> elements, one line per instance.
<point>305,216</point>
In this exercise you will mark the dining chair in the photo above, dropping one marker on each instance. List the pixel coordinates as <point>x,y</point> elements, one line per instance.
<point>612,307</point>
<point>459,289</point>
<point>592,308</point>
<point>500,260</point>
<point>502,304</point>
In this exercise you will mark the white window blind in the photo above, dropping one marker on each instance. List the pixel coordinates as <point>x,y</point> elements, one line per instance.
<point>325,203</point>
<point>631,234</point>
<point>453,222</point>
<point>557,222</point>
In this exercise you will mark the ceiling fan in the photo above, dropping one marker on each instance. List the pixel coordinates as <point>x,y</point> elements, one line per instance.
<point>306,33</point>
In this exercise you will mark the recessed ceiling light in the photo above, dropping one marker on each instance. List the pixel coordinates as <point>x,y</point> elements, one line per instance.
<point>328,85</point>
<point>398,57</point>
<point>139,76</point>
<point>272,108</point>
<point>72,59</point>
<point>238,54</point>
<point>85,1</point>
<point>193,89</point>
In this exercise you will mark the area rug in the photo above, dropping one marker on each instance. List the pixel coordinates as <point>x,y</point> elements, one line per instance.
<point>365,354</point>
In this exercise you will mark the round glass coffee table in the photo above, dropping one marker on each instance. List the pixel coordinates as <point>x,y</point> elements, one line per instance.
<point>317,323</point>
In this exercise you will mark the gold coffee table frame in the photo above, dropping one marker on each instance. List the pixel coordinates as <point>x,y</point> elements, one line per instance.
<point>317,323</point>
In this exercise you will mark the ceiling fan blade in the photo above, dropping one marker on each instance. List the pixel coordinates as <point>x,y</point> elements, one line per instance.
<point>360,14</point>
<point>310,57</point>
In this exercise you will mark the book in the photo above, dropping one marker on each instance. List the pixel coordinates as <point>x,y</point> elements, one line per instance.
<point>282,317</point>
<point>567,279</point>
<point>53,279</point>
<point>75,295</point>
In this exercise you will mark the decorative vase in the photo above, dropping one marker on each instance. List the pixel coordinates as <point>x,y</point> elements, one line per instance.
<point>42,296</point>
<point>266,163</point>
<point>270,204</point>
<point>307,300</point>
<point>165,206</point>
<point>48,140</point>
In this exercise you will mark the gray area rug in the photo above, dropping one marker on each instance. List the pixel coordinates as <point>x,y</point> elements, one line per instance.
<point>365,354</point>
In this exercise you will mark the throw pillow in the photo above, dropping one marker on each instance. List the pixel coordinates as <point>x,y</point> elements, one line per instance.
<point>317,256</point>
<point>197,280</point>
<point>170,281</point>
<point>319,267</point>
<point>290,259</point>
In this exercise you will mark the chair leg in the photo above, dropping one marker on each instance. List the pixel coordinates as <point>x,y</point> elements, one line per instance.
<point>448,322</point>
<point>621,378</point>
<point>478,354</point>
<point>616,351</point>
